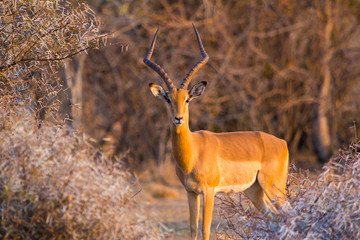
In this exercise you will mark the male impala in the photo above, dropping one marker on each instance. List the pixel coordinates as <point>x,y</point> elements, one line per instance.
<point>207,162</point>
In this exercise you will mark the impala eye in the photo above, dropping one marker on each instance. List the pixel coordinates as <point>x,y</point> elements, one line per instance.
<point>167,99</point>
<point>187,100</point>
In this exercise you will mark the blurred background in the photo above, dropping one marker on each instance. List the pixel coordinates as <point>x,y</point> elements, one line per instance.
<point>289,68</point>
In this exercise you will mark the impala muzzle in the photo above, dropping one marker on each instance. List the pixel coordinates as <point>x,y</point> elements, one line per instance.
<point>178,121</point>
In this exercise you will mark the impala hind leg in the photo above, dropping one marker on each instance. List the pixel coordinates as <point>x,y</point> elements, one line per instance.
<point>275,190</point>
<point>194,208</point>
<point>258,197</point>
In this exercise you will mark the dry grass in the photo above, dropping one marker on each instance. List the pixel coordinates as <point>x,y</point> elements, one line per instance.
<point>55,185</point>
<point>322,207</point>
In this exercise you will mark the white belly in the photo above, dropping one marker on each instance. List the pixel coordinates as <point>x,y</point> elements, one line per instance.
<point>235,187</point>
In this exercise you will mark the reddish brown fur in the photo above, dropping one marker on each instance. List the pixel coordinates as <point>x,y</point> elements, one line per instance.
<point>207,162</point>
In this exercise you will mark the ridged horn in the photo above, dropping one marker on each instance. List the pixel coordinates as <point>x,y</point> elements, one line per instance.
<point>198,65</point>
<point>157,68</point>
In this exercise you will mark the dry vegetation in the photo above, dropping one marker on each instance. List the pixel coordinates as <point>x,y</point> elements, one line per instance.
<point>325,206</point>
<point>36,36</point>
<point>289,68</point>
<point>55,185</point>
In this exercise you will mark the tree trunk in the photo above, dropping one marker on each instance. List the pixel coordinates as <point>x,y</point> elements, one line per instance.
<point>322,135</point>
<point>74,80</point>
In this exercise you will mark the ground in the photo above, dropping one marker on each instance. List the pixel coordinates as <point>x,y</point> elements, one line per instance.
<point>173,213</point>
<point>167,200</point>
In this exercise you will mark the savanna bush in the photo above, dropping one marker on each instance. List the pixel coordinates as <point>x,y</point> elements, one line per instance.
<point>325,206</point>
<point>55,185</point>
<point>35,37</point>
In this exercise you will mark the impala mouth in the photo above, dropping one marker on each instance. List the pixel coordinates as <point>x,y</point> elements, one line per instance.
<point>178,124</point>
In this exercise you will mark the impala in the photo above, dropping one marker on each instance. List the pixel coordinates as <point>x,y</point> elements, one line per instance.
<point>207,162</point>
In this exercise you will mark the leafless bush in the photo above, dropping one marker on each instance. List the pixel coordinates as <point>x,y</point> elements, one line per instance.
<point>55,185</point>
<point>325,206</point>
<point>35,37</point>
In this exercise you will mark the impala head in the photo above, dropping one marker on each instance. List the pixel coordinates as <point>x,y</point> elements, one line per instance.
<point>177,98</point>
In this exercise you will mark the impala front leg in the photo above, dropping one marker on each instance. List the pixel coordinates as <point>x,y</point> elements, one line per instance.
<point>208,206</point>
<point>194,207</point>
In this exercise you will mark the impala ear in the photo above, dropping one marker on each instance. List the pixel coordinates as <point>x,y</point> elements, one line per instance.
<point>197,89</point>
<point>158,92</point>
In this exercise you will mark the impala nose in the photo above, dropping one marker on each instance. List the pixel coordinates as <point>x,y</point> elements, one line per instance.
<point>178,121</point>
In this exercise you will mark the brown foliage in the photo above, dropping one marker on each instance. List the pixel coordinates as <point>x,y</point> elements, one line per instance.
<point>35,37</point>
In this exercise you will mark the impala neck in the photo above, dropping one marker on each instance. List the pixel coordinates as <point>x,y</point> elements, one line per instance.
<point>183,147</point>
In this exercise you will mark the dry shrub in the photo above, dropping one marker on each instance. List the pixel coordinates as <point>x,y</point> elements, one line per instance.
<point>55,185</point>
<point>322,207</point>
<point>44,31</point>
<point>36,36</point>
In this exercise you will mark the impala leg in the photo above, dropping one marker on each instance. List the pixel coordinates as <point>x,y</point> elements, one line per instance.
<point>207,213</point>
<point>194,207</point>
<point>275,190</point>
<point>257,196</point>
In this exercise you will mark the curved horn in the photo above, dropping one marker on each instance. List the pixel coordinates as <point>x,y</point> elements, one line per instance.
<point>155,66</point>
<point>198,65</point>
